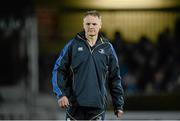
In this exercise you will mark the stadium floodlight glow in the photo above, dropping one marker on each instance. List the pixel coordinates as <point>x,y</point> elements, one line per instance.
<point>121,4</point>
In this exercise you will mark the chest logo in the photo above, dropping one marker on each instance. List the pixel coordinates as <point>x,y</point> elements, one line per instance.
<point>101,51</point>
<point>80,48</point>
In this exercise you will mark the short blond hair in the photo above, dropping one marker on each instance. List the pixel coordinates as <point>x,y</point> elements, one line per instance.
<point>93,13</point>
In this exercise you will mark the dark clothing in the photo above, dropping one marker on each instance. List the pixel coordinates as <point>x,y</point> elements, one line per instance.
<point>85,113</point>
<point>81,73</point>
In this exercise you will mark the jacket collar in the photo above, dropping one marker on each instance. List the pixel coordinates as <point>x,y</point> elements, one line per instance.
<point>81,36</point>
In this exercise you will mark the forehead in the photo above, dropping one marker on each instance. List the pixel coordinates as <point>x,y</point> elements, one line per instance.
<point>90,18</point>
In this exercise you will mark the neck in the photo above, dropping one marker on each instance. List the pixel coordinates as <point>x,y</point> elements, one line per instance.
<point>91,40</point>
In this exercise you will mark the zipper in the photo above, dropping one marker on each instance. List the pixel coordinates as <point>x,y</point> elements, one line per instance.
<point>97,115</point>
<point>97,46</point>
<point>91,51</point>
<point>70,116</point>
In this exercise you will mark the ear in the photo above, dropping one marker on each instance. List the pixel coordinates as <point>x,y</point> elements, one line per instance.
<point>100,25</point>
<point>83,25</point>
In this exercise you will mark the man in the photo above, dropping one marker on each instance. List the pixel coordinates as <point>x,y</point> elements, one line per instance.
<point>85,66</point>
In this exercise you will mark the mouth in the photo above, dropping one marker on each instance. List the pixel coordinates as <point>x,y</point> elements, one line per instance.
<point>91,30</point>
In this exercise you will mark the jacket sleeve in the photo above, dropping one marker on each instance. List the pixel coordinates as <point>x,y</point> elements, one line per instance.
<point>61,70</point>
<point>116,89</point>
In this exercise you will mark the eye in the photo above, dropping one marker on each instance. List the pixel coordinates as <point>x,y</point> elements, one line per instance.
<point>88,24</point>
<point>94,24</point>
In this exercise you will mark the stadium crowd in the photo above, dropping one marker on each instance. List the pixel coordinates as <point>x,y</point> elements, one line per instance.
<point>148,67</point>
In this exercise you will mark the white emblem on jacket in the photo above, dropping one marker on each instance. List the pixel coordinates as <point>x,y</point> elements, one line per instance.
<point>101,51</point>
<point>80,48</point>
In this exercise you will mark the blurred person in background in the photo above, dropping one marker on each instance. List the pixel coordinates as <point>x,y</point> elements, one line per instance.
<point>85,68</point>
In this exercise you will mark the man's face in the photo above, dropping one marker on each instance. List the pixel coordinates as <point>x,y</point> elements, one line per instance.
<point>92,25</point>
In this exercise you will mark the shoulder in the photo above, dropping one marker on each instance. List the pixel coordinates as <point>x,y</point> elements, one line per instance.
<point>108,43</point>
<point>111,48</point>
<point>70,43</point>
<point>106,40</point>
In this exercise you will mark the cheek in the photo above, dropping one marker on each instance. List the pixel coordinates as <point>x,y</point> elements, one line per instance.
<point>85,28</point>
<point>97,29</point>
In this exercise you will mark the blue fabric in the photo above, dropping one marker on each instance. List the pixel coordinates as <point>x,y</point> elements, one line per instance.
<point>54,80</point>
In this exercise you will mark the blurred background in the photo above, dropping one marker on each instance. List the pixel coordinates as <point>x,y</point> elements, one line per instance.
<point>144,33</point>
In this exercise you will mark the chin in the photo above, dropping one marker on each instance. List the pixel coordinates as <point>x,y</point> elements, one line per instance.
<point>92,34</point>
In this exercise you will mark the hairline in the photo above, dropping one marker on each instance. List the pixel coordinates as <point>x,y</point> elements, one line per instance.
<point>93,13</point>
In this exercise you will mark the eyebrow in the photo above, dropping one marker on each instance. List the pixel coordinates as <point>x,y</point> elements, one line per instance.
<point>91,23</point>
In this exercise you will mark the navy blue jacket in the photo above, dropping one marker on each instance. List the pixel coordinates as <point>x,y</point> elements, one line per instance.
<point>82,73</point>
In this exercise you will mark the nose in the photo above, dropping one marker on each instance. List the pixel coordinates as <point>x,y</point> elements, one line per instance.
<point>91,26</point>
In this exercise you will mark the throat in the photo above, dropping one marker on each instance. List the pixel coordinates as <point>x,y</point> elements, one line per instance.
<point>91,41</point>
